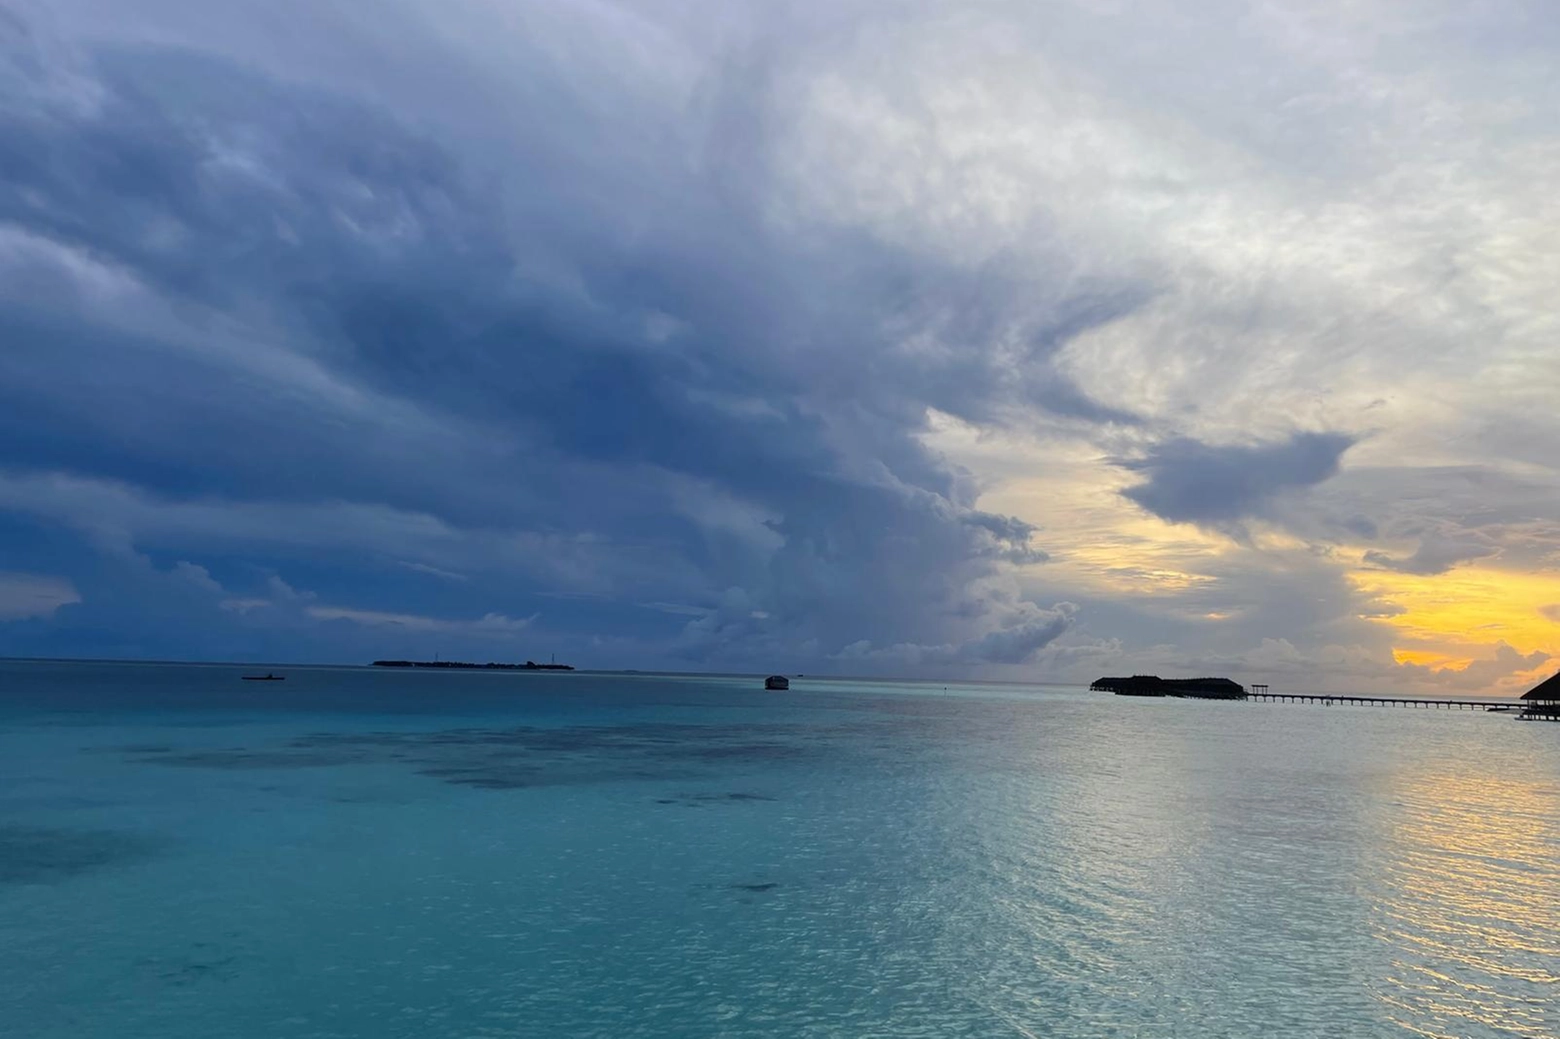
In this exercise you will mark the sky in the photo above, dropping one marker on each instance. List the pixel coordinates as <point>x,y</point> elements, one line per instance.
<point>989,339</point>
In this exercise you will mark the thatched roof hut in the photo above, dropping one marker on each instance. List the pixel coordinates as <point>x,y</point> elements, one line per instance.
<point>1543,701</point>
<point>1547,691</point>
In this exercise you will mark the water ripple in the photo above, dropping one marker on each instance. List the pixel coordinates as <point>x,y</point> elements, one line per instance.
<point>866,862</point>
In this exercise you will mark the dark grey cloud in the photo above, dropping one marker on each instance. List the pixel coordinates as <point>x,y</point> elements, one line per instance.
<point>1186,481</point>
<point>1437,553</point>
<point>258,323</point>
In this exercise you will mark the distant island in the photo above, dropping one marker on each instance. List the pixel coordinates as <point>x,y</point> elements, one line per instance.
<point>1153,685</point>
<point>529,665</point>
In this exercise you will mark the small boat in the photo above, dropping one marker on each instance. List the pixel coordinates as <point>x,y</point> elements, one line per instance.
<point>777,683</point>
<point>267,677</point>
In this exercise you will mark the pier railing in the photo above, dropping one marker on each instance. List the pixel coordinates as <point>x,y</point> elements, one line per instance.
<point>1390,701</point>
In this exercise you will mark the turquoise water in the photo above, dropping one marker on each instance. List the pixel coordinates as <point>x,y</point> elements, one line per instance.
<point>383,854</point>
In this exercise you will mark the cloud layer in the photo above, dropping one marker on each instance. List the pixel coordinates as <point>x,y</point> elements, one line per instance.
<point>681,334</point>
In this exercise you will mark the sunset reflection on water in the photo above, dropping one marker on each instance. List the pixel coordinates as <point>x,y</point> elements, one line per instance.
<point>1467,906</point>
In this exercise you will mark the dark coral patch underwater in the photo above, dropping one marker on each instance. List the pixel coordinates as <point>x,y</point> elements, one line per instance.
<point>519,757</point>
<point>47,854</point>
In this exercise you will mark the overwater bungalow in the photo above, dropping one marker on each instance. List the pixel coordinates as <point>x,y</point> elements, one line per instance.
<point>1542,701</point>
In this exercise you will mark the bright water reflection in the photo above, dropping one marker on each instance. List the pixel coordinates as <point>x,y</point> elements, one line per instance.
<point>1468,904</point>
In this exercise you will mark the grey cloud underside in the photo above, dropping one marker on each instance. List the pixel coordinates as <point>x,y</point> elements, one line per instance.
<point>1190,482</point>
<point>1028,631</point>
<point>1437,553</point>
<point>238,296</point>
<point>1433,519</point>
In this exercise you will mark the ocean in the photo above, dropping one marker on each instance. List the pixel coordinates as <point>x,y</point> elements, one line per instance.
<point>381,854</point>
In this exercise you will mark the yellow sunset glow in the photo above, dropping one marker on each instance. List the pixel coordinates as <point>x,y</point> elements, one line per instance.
<point>1101,544</point>
<point>1429,658</point>
<point>1449,617</point>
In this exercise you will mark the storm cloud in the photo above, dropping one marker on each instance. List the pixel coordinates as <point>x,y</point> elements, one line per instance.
<point>250,314</point>
<point>922,337</point>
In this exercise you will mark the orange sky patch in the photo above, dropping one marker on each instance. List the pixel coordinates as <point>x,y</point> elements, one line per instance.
<point>1453,617</point>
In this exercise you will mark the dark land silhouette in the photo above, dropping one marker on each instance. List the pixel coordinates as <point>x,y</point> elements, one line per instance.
<point>529,665</point>
<point>1153,685</point>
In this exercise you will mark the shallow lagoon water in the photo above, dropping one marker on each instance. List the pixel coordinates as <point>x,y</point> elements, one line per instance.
<point>370,853</point>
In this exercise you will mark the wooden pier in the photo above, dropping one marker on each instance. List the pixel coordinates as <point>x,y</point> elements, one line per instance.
<point>1382,701</point>
<point>1539,704</point>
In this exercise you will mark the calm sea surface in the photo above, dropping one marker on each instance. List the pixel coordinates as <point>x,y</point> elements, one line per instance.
<point>382,854</point>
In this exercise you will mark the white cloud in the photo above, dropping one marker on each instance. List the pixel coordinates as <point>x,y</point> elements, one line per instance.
<point>1024,630</point>
<point>433,571</point>
<point>198,576</point>
<point>23,596</point>
<point>488,624</point>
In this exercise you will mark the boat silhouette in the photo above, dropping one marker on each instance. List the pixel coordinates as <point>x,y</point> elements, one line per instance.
<point>267,677</point>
